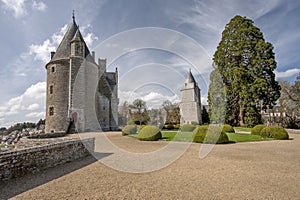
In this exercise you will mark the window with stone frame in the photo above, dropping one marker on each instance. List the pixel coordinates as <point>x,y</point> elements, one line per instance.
<point>51,110</point>
<point>53,69</point>
<point>51,89</point>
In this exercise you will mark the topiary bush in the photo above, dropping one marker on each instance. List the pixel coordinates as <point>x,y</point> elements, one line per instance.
<point>199,133</point>
<point>129,129</point>
<point>130,122</point>
<point>257,129</point>
<point>177,126</point>
<point>187,128</point>
<point>227,128</point>
<point>210,134</point>
<point>140,127</point>
<point>149,133</point>
<point>276,132</point>
<point>169,126</point>
<point>194,123</point>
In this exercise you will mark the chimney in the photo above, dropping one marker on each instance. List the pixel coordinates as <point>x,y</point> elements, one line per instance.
<point>93,54</point>
<point>52,54</point>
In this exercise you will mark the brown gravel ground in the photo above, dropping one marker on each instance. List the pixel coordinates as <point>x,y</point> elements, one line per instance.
<point>257,170</point>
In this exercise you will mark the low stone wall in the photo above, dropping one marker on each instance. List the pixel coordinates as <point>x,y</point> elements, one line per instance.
<point>295,131</point>
<point>20,162</point>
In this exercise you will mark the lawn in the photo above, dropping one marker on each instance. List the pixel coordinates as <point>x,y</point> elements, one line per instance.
<point>235,137</point>
<point>188,137</point>
<point>177,136</point>
<point>243,129</point>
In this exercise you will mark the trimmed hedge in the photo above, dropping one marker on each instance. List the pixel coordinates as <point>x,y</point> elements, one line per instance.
<point>277,132</point>
<point>140,127</point>
<point>187,128</point>
<point>169,126</point>
<point>257,129</point>
<point>210,134</point>
<point>129,129</point>
<point>130,122</point>
<point>177,126</point>
<point>149,133</point>
<point>227,128</point>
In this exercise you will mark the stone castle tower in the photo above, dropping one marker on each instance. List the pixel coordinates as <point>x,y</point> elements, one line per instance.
<point>81,95</point>
<point>190,105</point>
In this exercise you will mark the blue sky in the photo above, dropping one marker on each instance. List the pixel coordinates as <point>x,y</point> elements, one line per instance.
<point>30,29</point>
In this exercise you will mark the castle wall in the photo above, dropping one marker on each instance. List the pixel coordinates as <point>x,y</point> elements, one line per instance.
<point>91,74</point>
<point>103,111</point>
<point>58,77</point>
<point>20,162</point>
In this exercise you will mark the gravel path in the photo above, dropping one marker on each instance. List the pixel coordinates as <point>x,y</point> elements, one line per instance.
<point>258,170</point>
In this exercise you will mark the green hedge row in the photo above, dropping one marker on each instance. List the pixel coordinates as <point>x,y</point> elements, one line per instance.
<point>276,132</point>
<point>210,134</point>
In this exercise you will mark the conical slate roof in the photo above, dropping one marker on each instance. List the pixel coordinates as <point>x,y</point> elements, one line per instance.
<point>64,48</point>
<point>190,78</point>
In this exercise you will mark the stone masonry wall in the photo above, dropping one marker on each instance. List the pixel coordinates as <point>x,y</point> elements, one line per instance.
<point>20,162</point>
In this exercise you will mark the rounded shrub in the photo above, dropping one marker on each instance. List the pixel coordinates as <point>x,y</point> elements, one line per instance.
<point>129,129</point>
<point>149,133</point>
<point>257,129</point>
<point>199,133</point>
<point>130,122</point>
<point>169,126</point>
<point>187,128</point>
<point>276,132</point>
<point>177,126</point>
<point>140,127</point>
<point>210,134</point>
<point>227,128</point>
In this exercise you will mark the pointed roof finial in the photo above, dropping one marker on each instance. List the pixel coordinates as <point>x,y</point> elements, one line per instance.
<point>73,15</point>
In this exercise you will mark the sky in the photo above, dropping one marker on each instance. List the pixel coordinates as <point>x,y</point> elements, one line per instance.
<point>152,43</point>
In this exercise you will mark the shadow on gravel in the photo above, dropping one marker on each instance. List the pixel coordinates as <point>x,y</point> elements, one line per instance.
<point>13,187</point>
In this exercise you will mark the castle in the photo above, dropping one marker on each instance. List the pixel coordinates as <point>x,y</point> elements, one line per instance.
<point>190,105</point>
<point>81,94</point>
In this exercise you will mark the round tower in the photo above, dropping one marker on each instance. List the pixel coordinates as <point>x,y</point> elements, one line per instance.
<point>57,92</point>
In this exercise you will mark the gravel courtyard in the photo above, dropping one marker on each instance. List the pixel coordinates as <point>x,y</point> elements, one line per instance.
<point>257,170</point>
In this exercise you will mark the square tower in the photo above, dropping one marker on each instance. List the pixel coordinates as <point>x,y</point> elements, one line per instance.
<point>190,105</point>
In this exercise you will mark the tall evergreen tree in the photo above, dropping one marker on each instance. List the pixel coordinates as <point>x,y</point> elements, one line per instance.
<point>246,63</point>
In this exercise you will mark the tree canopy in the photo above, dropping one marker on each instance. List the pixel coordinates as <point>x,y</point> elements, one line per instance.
<point>172,112</point>
<point>138,112</point>
<point>246,63</point>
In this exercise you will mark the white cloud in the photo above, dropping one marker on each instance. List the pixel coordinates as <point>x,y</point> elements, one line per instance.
<point>87,35</point>
<point>16,108</point>
<point>36,91</point>
<point>33,106</point>
<point>42,51</point>
<point>35,114</point>
<point>19,7</point>
<point>152,99</point>
<point>16,6</point>
<point>40,6</point>
<point>287,73</point>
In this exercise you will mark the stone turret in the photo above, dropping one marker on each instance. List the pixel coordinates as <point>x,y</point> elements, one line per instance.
<point>73,82</point>
<point>190,105</point>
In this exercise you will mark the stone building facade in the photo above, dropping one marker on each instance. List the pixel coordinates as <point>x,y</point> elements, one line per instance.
<point>81,94</point>
<point>190,105</point>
